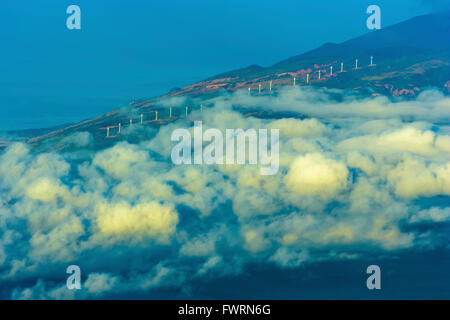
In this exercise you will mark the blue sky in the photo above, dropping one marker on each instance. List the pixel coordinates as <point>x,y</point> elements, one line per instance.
<point>51,75</point>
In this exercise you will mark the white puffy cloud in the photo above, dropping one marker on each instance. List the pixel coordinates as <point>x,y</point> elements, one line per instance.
<point>351,177</point>
<point>314,174</point>
<point>124,221</point>
<point>407,139</point>
<point>434,214</point>
<point>119,160</point>
<point>413,177</point>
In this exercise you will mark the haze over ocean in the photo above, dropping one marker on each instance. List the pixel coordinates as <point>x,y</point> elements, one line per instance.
<point>50,75</point>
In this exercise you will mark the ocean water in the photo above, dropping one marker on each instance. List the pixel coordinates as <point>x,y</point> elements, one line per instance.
<point>43,106</point>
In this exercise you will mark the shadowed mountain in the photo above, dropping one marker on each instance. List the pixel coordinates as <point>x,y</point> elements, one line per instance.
<point>407,57</point>
<point>413,40</point>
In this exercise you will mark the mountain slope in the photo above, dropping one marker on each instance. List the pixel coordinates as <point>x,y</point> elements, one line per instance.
<point>419,35</point>
<point>398,47</point>
<point>407,57</point>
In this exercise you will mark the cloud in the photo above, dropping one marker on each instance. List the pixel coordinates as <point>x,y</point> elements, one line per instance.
<point>413,177</point>
<point>313,174</point>
<point>297,128</point>
<point>45,190</point>
<point>119,160</point>
<point>434,214</point>
<point>355,179</point>
<point>198,247</point>
<point>405,139</point>
<point>78,139</point>
<point>172,101</point>
<point>123,221</point>
<point>430,105</point>
<point>255,241</point>
<point>98,283</point>
<point>288,258</point>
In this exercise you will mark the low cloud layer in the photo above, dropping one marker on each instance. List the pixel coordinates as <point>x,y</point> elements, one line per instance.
<point>352,179</point>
